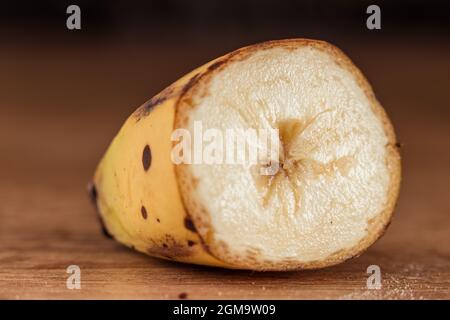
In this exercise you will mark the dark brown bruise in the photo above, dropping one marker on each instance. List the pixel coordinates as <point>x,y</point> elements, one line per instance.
<point>169,248</point>
<point>190,83</point>
<point>216,65</point>
<point>160,98</point>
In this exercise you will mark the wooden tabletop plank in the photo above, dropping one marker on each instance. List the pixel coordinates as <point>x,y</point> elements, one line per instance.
<point>59,109</point>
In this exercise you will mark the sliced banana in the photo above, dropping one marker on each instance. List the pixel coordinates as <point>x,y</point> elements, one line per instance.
<point>337,177</point>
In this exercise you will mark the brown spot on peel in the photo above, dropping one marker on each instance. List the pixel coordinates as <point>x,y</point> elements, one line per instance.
<point>189,224</point>
<point>144,212</point>
<point>146,157</point>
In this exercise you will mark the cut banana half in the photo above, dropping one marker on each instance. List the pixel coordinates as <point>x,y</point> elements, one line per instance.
<point>337,164</point>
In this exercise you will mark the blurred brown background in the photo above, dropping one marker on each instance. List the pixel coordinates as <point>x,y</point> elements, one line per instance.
<point>64,94</point>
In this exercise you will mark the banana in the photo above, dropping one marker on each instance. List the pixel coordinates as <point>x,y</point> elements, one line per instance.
<point>331,197</point>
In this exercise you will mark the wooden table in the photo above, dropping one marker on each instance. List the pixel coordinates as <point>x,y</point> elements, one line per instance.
<point>62,102</point>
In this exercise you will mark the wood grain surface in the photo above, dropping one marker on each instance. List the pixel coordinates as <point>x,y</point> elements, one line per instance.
<point>61,104</point>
